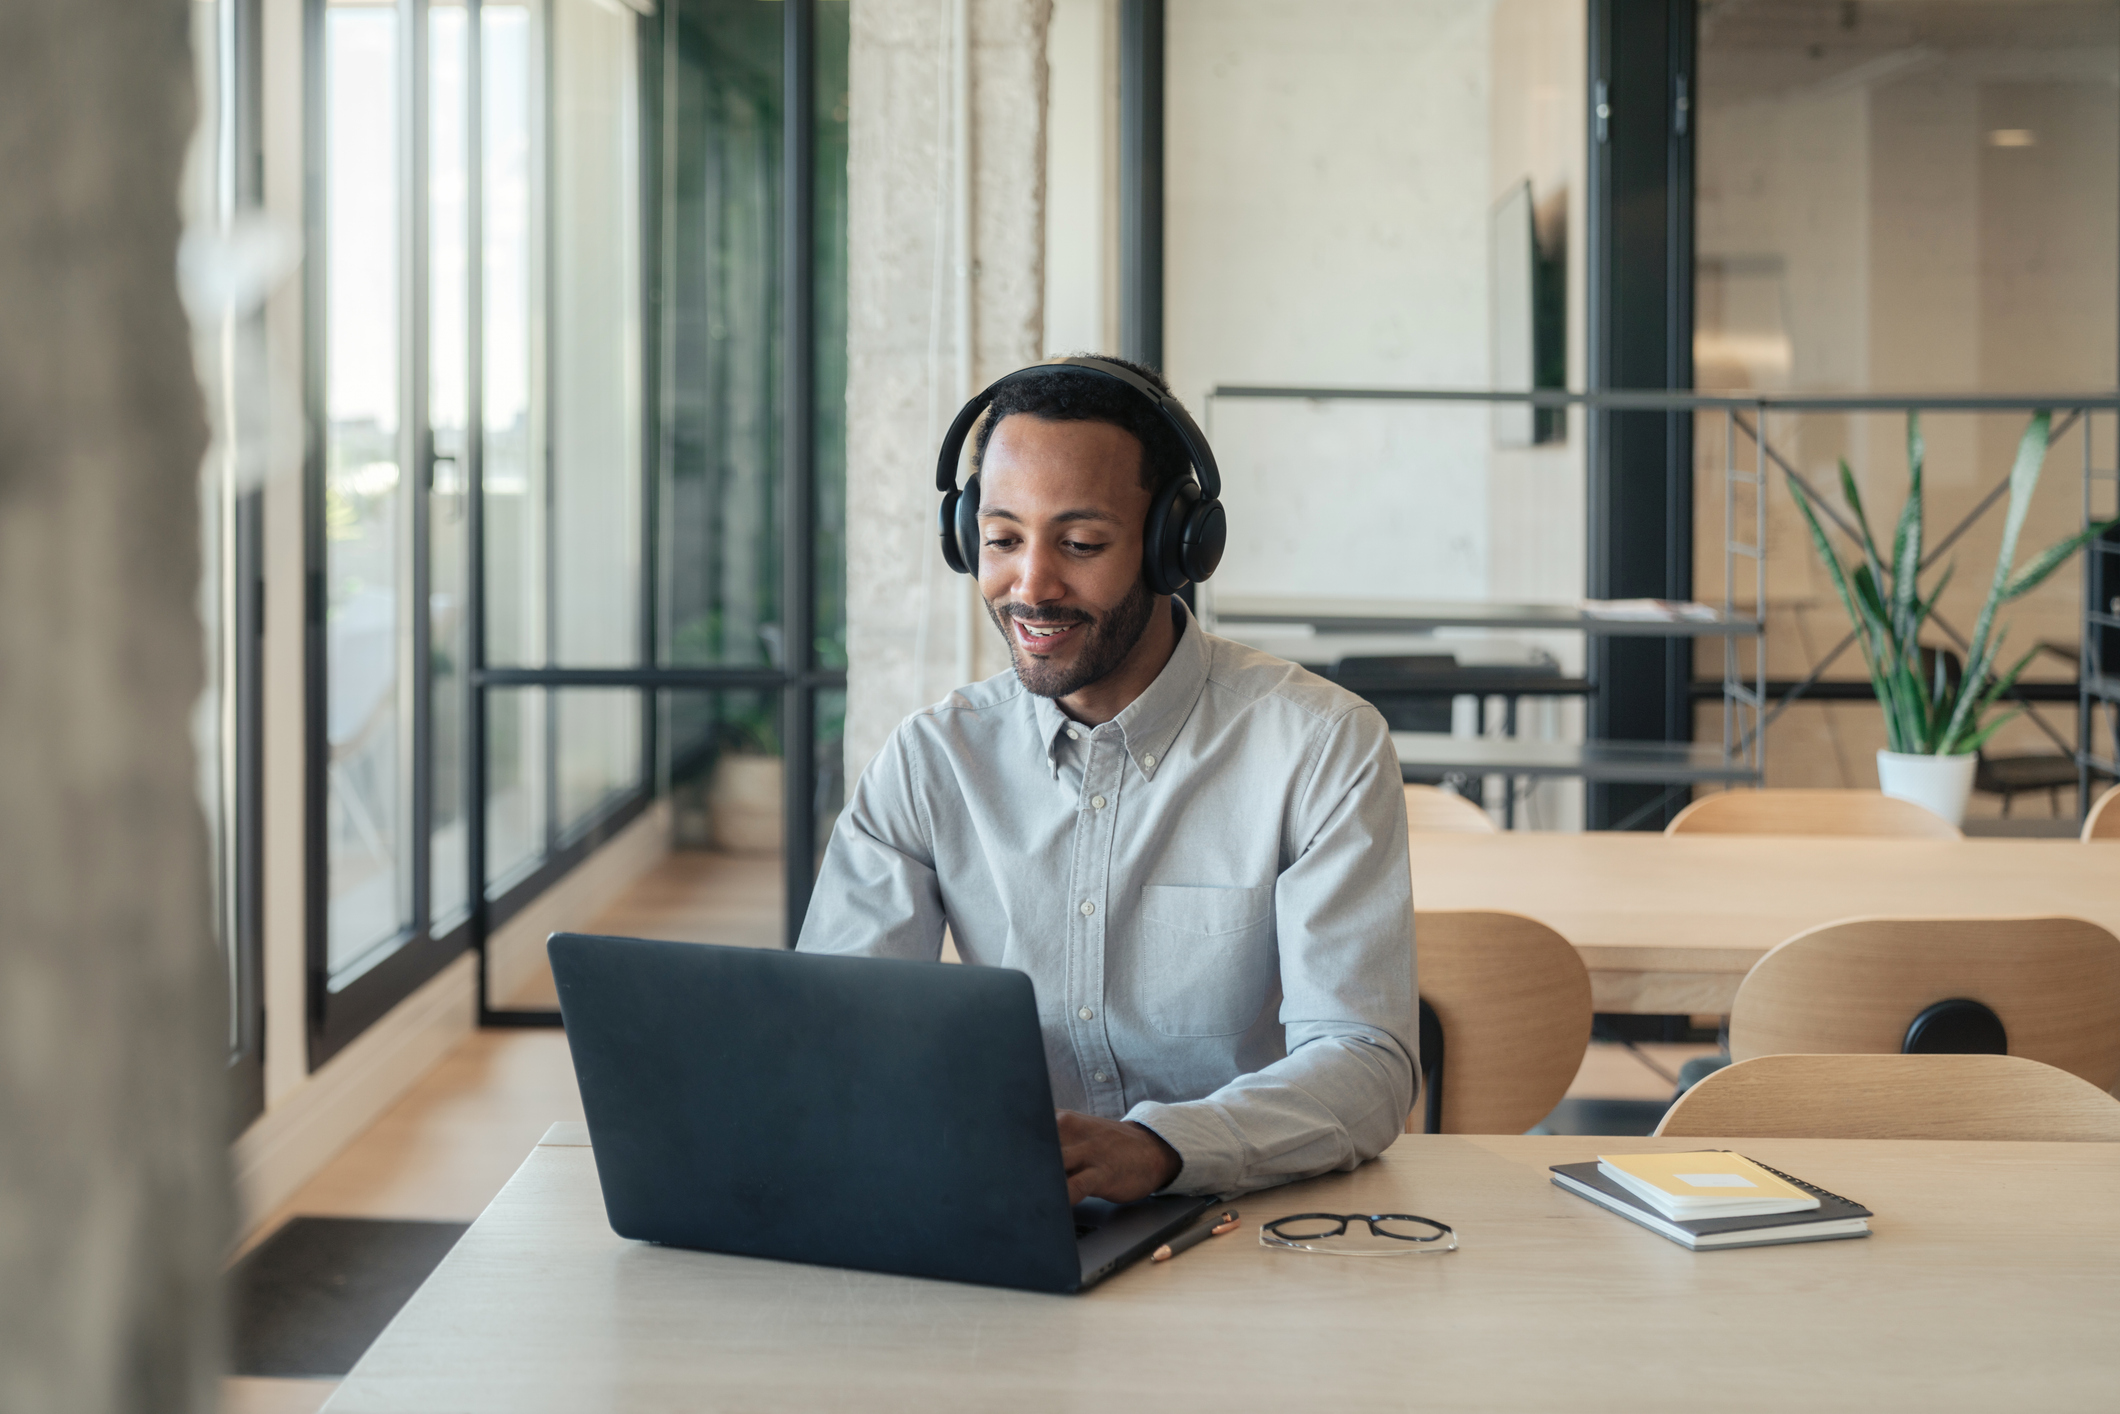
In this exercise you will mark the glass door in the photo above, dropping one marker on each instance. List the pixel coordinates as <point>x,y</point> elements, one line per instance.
<point>391,389</point>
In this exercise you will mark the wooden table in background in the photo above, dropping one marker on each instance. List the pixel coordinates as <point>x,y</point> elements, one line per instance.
<point>1672,923</point>
<point>1989,1284</point>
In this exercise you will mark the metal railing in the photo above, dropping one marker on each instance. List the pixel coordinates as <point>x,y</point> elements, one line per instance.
<point>1748,711</point>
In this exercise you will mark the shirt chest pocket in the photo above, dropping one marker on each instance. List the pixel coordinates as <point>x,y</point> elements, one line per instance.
<point>1205,958</point>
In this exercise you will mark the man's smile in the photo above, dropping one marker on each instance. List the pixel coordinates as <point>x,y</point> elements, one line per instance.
<point>1042,638</point>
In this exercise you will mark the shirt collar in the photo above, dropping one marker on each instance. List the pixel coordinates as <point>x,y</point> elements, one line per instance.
<point>1151,722</point>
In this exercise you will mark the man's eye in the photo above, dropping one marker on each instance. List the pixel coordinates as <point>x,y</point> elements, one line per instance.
<point>1083,546</point>
<point>998,544</point>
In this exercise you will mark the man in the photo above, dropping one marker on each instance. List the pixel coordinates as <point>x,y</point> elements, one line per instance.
<point>1196,851</point>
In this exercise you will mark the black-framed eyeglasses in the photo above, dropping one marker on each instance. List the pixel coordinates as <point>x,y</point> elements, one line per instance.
<point>1398,1234</point>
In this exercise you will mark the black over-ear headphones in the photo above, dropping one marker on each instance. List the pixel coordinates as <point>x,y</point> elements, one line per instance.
<point>1186,527</point>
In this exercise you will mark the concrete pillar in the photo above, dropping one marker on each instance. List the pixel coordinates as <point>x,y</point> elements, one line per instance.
<point>113,1190</point>
<point>914,630</point>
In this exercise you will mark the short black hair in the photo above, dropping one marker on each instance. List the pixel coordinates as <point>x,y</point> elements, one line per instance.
<point>1062,394</point>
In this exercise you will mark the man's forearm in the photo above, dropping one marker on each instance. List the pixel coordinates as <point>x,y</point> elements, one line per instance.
<point>1333,1103</point>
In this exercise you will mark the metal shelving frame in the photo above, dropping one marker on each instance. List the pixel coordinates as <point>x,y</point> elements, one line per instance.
<point>1747,710</point>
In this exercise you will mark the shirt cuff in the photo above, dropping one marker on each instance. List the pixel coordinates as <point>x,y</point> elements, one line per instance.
<point>1211,1157</point>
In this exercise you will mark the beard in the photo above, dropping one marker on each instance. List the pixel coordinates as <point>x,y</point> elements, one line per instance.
<point>1109,637</point>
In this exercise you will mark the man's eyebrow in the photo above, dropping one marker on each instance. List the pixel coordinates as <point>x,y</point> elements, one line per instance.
<point>1081,513</point>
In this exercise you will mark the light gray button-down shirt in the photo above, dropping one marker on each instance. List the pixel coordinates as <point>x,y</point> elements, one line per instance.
<point>1210,893</point>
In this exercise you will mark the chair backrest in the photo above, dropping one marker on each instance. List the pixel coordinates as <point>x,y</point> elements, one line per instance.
<point>1855,985</point>
<point>1811,812</point>
<point>2103,823</point>
<point>1894,1097</point>
<point>1444,812</point>
<point>1514,1002</point>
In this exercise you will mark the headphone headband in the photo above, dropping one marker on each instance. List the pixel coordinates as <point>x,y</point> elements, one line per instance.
<point>1202,456</point>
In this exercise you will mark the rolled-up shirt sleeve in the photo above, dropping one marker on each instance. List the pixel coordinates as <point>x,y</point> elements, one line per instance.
<point>877,894</point>
<point>1343,909</point>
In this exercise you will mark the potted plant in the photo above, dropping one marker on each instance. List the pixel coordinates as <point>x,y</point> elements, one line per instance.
<point>744,805</point>
<point>1935,721</point>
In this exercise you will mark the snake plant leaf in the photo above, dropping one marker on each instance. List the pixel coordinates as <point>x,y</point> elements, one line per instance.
<point>1825,553</point>
<point>2054,557</point>
<point>1852,494</point>
<point>1906,540</point>
<point>1928,605</point>
<point>1924,710</point>
<point>1940,696</point>
<point>1910,709</point>
<point>2024,479</point>
<point>1980,738</point>
<point>2002,686</point>
<point>1871,598</point>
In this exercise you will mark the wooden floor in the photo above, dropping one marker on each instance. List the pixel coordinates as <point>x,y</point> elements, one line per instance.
<point>693,896</point>
<point>447,1148</point>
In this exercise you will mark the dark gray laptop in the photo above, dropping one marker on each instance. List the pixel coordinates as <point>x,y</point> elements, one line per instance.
<point>852,1112</point>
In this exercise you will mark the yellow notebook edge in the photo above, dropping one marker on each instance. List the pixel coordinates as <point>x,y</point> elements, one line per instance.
<point>1662,1170</point>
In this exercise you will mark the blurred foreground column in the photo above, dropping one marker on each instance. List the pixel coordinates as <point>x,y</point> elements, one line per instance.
<point>945,293</point>
<point>113,1190</point>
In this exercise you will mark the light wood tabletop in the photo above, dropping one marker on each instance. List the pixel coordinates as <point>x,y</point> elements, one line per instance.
<point>1989,1284</point>
<point>1672,923</point>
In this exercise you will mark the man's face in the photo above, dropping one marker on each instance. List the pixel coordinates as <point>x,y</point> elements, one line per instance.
<point>1061,518</point>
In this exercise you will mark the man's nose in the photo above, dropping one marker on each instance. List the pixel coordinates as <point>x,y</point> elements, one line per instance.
<point>1040,577</point>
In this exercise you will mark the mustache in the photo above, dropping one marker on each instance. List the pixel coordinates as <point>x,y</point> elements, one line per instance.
<point>1043,616</point>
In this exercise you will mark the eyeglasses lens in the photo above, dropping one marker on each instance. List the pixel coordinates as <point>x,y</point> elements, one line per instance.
<point>1307,1229</point>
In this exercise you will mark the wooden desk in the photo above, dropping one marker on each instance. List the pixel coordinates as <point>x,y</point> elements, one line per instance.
<point>1990,1284</point>
<point>1673,923</point>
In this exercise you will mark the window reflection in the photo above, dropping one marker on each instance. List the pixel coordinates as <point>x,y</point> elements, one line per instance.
<point>596,426</point>
<point>366,726</point>
<point>513,477</point>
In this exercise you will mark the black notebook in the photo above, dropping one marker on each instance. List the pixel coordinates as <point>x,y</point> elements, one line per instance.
<point>1834,1217</point>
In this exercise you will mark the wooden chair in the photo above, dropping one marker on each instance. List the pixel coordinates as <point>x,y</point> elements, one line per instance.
<point>1513,1000</point>
<point>1894,1097</point>
<point>1811,812</point>
<point>1430,811</point>
<point>1856,986</point>
<point>2103,823</point>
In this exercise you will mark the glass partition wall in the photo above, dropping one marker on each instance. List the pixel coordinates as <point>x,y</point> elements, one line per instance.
<point>577,374</point>
<point>1907,197</point>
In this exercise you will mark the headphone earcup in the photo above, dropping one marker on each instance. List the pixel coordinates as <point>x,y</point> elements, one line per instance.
<point>950,556</point>
<point>1163,537</point>
<point>1205,536</point>
<point>966,529</point>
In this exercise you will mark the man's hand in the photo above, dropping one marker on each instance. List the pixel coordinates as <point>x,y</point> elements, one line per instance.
<point>1112,1159</point>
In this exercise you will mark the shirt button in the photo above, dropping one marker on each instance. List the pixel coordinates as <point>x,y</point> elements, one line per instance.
<point>1096,802</point>
<point>1100,1077</point>
<point>1088,908</point>
<point>1087,1015</point>
<point>1148,760</point>
<point>1073,735</point>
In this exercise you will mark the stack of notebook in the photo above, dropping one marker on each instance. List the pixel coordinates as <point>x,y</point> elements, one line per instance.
<point>1714,1199</point>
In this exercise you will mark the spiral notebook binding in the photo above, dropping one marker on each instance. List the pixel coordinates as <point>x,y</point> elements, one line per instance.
<point>1792,1178</point>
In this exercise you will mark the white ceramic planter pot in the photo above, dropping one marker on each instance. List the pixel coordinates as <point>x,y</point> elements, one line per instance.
<point>1938,783</point>
<point>744,803</point>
